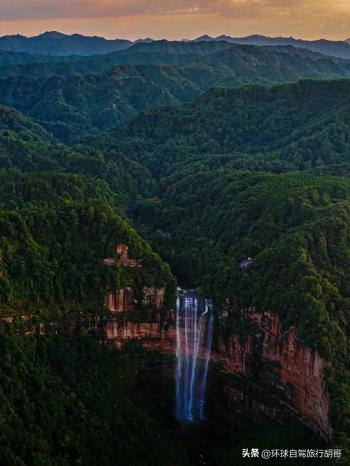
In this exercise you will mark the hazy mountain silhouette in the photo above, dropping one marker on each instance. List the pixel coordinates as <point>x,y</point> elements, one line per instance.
<point>339,49</point>
<point>56,43</point>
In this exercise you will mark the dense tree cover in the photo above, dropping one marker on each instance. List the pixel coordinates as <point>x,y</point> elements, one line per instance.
<point>19,58</point>
<point>14,121</point>
<point>53,241</point>
<point>201,211</point>
<point>155,52</point>
<point>72,106</point>
<point>288,127</point>
<point>57,43</point>
<point>27,146</point>
<point>50,188</point>
<point>295,227</point>
<point>71,401</point>
<point>288,63</point>
<point>338,48</point>
<point>68,401</point>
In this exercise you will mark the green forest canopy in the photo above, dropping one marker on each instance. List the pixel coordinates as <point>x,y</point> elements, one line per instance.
<point>228,176</point>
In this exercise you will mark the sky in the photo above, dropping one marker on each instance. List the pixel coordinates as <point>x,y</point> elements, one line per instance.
<point>177,19</point>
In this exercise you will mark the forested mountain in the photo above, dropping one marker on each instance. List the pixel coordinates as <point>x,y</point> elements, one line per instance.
<point>288,127</point>
<point>30,148</point>
<point>21,58</point>
<point>56,43</point>
<point>296,229</point>
<point>55,231</point>
<point>339,49</point>
<point>12,120</point>
<point>70,106</point>
<point>209,180</point>
<point>67,400</point>
<point>155,52</point>
<point>274,64</point>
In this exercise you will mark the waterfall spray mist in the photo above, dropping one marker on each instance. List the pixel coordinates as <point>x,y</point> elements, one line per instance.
<point>194,331</point>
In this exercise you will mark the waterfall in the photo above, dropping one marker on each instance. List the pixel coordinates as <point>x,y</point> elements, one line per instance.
<point>194,331</point>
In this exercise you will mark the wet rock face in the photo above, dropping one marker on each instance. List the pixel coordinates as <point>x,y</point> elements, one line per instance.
<point>275,375</point>
<point>276,361</point>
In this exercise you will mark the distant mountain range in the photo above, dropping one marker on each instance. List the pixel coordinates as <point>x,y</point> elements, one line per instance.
<point>290,127</point>
<point>340,49</point>
<point>244,63</point>
<point>56,43</point>
<point>104,95</point>
<point>155,52</point>
<point>21,58</point>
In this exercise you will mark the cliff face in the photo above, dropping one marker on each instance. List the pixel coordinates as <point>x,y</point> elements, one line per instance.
<point>120,332</point>
<point>124,299</point>
<point>277,376</point>
<point>278,363</point>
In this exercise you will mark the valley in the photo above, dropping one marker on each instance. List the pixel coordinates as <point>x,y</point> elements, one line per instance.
<point>127,176</point>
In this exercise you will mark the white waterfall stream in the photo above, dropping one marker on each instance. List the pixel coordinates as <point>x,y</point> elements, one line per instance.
<point>194,331</point>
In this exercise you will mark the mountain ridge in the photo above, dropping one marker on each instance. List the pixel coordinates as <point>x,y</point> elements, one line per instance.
<point>58,43</point>
<point>339,49</point>
<point>99,102</point>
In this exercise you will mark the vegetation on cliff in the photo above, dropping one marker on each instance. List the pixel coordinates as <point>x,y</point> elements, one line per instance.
<point>55,231</point>
<point>83,104</point>
<point>67,400</point>
<point>253,172</point>
<point>299,126</point>
<point>296,229</point>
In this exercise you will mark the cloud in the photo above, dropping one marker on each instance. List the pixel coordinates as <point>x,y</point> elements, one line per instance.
<point>308,18</point>
<point>36,9</point>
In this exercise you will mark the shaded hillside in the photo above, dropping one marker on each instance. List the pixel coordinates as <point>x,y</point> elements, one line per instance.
<point>15,121</point>
<point>203,216</point>
<point>27,146</point>
<point>287,127</point>
<point>55,231</point>
<point>295,227</point>
<point>72,106</point>
<point>56,43</point>
<point>340,49</point>
<point>70,401</point>
<point>156,52</point>
<point>8,58</point>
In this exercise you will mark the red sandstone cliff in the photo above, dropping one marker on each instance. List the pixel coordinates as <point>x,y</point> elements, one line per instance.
<point>284,379</point>
<point>123,300</point>
<point>274,357</point>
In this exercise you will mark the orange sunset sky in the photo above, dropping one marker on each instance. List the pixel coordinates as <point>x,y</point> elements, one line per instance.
<point>133,19</point>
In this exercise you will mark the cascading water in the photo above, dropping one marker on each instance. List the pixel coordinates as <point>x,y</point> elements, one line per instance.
<point>194,331</point>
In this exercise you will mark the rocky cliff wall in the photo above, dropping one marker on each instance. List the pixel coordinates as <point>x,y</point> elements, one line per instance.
<point>280,378</point>
<point>277,362</point>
